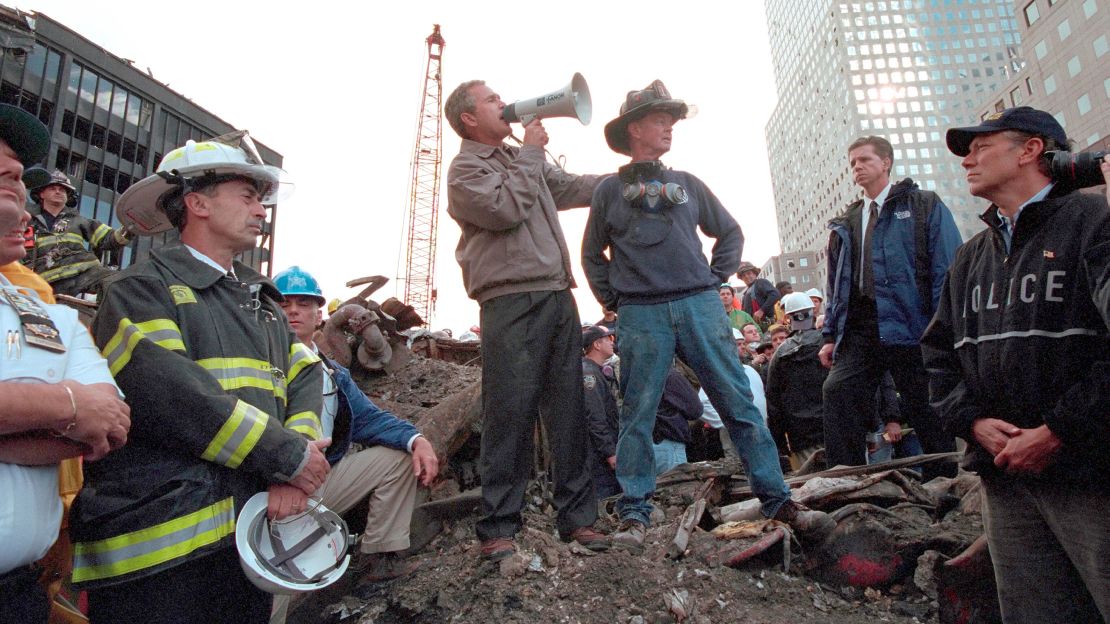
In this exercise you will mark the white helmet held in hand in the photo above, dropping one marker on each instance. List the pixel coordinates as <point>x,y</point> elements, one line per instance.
<point>145,207</point>
<point>302,553</point>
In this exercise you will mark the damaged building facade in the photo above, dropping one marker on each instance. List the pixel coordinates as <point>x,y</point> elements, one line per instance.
<point>109,121</point>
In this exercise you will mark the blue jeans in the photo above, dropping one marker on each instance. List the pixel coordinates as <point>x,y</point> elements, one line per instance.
<point>697,329</point>
<point>668,454</point>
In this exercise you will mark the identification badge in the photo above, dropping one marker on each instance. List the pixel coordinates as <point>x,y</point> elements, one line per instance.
<point>38,328</point>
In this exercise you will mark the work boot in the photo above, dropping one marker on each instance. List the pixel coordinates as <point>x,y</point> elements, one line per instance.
<point>497,548</point>
<point>810,525</point>
<point>630,536</point>
<point>588,537</point>
<point>386,566</point>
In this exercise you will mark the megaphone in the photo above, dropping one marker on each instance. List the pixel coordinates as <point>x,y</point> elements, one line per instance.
<point>572,100</point>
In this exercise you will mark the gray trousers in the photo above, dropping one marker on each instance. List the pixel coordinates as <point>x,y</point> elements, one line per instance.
<point>1050,543</point>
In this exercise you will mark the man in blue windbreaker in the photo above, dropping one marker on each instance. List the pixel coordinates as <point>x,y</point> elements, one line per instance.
<point>887,257</point>
<point>395,458</point>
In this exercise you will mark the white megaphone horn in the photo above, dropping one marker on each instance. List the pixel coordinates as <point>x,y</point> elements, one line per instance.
<point>572,100</point>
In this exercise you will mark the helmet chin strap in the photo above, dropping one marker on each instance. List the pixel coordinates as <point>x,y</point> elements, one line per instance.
<point>173,177</point>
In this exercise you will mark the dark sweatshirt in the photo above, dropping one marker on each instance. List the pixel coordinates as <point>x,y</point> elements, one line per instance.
<point>678,404</point>
<point>645,256</point>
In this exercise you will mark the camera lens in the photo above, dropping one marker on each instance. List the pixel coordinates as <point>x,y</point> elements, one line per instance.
<point>1077,170</point>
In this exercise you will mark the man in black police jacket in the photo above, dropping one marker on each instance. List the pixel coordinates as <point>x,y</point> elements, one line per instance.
<point>1019,360</point>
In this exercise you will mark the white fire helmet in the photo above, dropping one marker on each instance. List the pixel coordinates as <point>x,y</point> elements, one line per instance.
<point>796,302</point>
<point>142,207</point>
<point>302,553</point>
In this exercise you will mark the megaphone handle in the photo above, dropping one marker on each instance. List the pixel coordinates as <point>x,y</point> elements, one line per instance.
<point>527,119</point>
<point>559,162</point>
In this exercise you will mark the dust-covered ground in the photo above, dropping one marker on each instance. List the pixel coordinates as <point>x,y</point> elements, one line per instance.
<point>550,581</point>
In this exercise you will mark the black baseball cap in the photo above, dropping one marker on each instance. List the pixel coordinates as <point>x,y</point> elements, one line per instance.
<point>24,133</point>
<point>1022,119</point>
<point>591,333</point>
<point>36,177</point>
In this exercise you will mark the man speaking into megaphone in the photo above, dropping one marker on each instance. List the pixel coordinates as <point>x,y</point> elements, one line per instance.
<point>515,263</point>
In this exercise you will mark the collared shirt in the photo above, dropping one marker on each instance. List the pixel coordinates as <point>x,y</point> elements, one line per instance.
<point>210,262</point>
<point>1010,223</point>
<point>32,524</point>
<point>331,403</point>
<point>331,400</point>
<point>865,216</point>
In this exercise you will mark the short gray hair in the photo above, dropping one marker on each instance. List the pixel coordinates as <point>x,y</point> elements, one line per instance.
<point>1018,137</point>
<point>460,101</point>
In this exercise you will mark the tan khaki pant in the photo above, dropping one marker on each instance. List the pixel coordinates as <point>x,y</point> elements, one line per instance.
<point>385,476</point>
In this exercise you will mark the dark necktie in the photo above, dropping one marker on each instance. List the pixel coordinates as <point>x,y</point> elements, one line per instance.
<point>867,275</point>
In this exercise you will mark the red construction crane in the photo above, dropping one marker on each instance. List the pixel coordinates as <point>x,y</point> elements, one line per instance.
<point>420,255</point>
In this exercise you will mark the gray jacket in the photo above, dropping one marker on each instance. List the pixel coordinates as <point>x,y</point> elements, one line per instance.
<point>505,200</point>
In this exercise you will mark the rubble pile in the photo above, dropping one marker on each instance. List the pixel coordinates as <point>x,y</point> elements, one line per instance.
<point>421,382</point>
<point>885,562</point>
<point>902,550</point>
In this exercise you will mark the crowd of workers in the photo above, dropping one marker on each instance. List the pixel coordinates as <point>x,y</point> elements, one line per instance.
<point>217,436</point>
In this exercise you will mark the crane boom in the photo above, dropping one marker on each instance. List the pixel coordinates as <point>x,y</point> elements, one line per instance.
<point>420,255</point>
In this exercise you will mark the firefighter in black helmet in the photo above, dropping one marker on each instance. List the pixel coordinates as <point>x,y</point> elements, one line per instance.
<point>67,244</point>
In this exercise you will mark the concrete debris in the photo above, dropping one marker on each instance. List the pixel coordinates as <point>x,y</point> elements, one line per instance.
<point>900,552</point>
<point>680,603</point>
<point>924,576</point>
<point>516,564</point>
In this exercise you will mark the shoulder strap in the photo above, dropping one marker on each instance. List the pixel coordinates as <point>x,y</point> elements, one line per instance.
<point>922,206</point>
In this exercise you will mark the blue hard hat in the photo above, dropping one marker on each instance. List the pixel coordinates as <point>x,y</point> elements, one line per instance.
<point>297,281</point>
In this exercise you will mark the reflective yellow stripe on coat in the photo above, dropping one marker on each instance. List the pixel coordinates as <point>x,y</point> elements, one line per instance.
<point>234,373</point>
<point>307,423</point>
<point>99,234</point>
<point>118,350</point>
<point>132,552</point>
<point>68,270</point>
<point>41,242</point>
<point>300,358</point>
<point>238,436</point>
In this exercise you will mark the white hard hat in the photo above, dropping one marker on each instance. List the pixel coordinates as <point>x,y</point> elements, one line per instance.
<point>815,292</point>
<point>303,553</point>
<point>142,207</point>
<point>796,302</point>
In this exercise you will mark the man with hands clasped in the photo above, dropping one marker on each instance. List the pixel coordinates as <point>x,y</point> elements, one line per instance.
<point>58,396</point>
<point>1018,356</point>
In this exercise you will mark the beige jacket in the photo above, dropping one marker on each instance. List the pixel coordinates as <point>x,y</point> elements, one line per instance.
<point>506,199</point>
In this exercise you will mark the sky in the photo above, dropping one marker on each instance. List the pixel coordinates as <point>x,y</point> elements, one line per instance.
<point>335,87</point>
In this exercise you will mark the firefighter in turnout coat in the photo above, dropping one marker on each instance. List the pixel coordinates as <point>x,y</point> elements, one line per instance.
<point>225,400</point>
<point>67,244</point>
